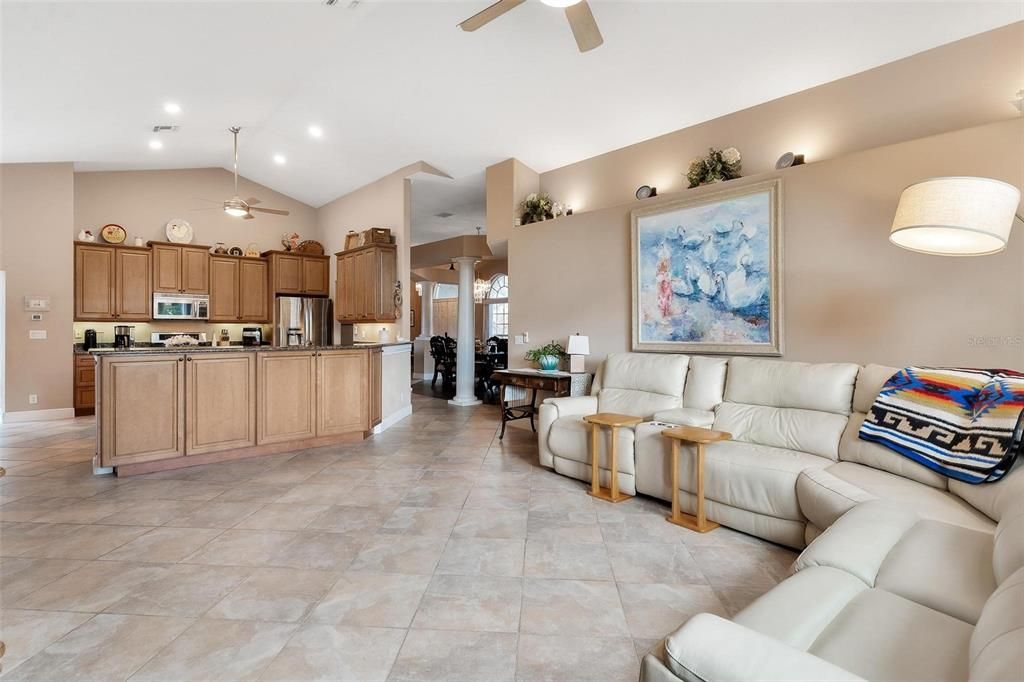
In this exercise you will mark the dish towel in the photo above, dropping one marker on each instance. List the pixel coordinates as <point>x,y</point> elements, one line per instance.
<point>962,423</point>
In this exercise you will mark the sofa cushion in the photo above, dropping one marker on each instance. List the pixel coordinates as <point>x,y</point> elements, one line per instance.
<point>997,645</point>
<point>870,380</point>
<point>860,540</point>
<point>801,385</point>
<point>799,608</point>
<point>647,372</point>
<point>705,382</point>
<point>686,416</point>
<point>569,438</point>
<point>929,502</point>
<point>1008,556</point>
<point>637,403</point>
<point>783,427</point>
<point>853,449</point>
<point>754,477</point>
<point>881,636</point>
<point>824,498</point>
<point>944,567</point>
<point>993,499</point>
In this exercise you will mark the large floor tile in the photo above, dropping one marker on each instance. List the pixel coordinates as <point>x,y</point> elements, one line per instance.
<point>163,545</point>
<point>21,577</point>
<point>478,603</point>
<point>417,554</point>
<point>180,590</point>
<point>243,548</point>
<point>363,521</point>
<point>337,652</point>
<point>567,560</point>
<point>482,556</point>
<point>318,550</point>
<point>218,649</point>
<point>564,526</point>
<point>572,607</point>
<point>274,594</point>
<point>648,562</point>
<point>431,655</point>
<point>556,658</point>
<point>282,517</point>
<point>26,633</point>
<point>491,523</point>
<point>369,599</point>
<point>421,521</point>
<point>656,610</point>
<point>93,587</point>
<point>216,515</point>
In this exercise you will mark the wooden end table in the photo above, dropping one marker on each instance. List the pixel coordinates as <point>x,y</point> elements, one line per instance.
<point>613,422</point>
<point>700,437</point>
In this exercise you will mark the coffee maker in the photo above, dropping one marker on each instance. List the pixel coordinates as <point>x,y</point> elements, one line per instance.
<point>252,336</point>
<point>124,336</point>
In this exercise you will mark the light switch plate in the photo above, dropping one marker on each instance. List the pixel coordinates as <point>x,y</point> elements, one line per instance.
<point>37,334</point>
<point>519,340</point>
<point>37,303</point>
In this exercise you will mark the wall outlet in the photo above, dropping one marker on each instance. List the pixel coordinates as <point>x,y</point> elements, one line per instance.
<point>37,334</point>
<point>33,399</point>
<point>37,317</point>
<point>78,333</point>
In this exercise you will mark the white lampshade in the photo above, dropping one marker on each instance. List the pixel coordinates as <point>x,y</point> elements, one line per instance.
<point>578,345</point>
<point>955,216</point>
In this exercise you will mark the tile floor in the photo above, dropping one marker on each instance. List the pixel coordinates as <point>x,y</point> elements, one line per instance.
<point>430,552</point>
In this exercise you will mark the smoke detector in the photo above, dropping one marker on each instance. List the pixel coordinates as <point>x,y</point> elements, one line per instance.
<point>1019,102</point>
<point>165,129</point>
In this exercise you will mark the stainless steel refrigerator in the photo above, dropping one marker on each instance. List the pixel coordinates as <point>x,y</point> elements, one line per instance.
<point>303,321</point>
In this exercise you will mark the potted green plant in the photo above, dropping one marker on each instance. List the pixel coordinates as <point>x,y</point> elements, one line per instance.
<point>536,207</point>
<point>547,356</point>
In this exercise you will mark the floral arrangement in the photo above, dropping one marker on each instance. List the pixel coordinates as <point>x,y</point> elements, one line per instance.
<point>553,349</point>
<point>719,165</point>
<point>537,207</point>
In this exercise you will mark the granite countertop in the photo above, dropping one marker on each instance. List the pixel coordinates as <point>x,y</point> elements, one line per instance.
<point>137,350</point>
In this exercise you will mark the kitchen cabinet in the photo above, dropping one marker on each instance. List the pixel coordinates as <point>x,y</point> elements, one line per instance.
<point>286,400</point>
<point>374,383</point>
<point>142,400</point>
<point>85,385</point>
<point>179,269</point>
<point>343,401</point>
<point>367,280</point>
<point>220,402</point>
<point>238,289</point>
<point>297,274</point>
<point>112,283</point>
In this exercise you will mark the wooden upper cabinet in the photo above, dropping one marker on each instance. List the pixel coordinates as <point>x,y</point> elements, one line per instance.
<point>132,295</point>
<point>238,289</point>
<point>299,274</point>
<point>94,282</point>
<point>224,303</point>
<point>180,269</point>
<point>112,283</point>
<point>366,283</point>
<point>253,295</point>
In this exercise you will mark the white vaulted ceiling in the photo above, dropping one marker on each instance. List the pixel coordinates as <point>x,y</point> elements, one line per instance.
<point>391,83</point>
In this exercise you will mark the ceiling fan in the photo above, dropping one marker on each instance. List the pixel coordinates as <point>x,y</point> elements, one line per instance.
<point>581,19</point>
<point>243,208</point>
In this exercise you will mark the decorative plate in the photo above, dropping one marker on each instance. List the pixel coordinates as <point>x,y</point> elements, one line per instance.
<point>179,231</point>
<point>113,234</point>
<point>235,251</point>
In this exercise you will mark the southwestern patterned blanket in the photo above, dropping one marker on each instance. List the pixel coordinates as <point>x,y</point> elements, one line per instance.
<point>963,423</point>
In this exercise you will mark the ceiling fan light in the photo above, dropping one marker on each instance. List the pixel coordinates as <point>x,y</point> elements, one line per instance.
<point>235,211</point>
<point>560,3</point>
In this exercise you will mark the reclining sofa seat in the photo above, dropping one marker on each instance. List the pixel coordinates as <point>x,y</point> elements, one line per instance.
<point>883,594</point>
<point>679,388</point>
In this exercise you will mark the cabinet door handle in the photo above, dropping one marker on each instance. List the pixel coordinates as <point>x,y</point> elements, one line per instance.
<point>189,358</point>
<point>181,359</point>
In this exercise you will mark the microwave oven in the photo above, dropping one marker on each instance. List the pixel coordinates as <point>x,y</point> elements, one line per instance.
<point>177,307</point>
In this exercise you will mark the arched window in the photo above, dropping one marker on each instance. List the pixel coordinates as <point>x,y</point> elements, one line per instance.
<point>497,306</point>
<point>446,291</point>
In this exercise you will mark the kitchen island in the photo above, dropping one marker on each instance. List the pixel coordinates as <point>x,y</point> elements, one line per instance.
<point>165,408</point>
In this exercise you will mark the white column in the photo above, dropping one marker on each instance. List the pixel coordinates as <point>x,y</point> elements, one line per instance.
<point>465,361</point>
<point>426,310</point>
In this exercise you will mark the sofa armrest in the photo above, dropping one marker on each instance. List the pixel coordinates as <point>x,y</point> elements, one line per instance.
<point>575,406</point>
<point>709,648</point>
<point>686,416</point>
<point>824,497</point>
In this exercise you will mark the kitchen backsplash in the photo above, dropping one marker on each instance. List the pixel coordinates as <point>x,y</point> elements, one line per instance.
<point>105,330</point>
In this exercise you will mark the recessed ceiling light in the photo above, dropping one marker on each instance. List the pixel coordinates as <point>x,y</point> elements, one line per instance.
<point>156,144</point>
<point>316,131</point>
<point>172,108</point>
<point>560,3</point>
<point>280,160</point>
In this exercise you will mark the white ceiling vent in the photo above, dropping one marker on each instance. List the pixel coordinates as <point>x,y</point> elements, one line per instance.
<point>165,129</point>
<point>443,214</point>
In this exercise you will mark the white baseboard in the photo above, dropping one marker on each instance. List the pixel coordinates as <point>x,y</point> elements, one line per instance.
<point>38,415</point>
<point>392,419</point>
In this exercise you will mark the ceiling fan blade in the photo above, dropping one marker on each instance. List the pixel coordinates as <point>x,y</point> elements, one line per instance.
<point>248,216</point>
<point>252,201</point>
<point>275,211</point>
<point>490,14</point>
<point>584,27</point>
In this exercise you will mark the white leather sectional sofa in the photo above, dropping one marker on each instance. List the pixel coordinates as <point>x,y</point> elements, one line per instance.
<point>907,575</point>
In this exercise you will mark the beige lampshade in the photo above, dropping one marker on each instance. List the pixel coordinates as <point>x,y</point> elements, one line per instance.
<point>578,345</point>
<point>955,216</point>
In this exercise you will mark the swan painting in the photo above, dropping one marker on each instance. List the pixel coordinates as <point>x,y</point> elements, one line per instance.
<point>705,273</point>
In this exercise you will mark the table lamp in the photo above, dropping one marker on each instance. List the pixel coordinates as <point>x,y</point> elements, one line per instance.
<point>578,347</point>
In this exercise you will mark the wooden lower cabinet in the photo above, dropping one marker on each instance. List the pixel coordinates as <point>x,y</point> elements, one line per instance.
<point>376,371</point>
<point>342,399</point>
<point>286,402</point>
<point>220,402</point>
<point>142,402</point>
<point>85,385</point>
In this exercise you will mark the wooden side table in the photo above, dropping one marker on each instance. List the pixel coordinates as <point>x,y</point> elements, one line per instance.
<point>613,422</point>
<point>700,437</point>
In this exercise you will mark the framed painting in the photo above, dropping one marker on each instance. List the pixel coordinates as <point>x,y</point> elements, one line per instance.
<point>707,273</point>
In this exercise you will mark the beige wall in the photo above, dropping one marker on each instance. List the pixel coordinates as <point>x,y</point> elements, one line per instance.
<point>508,183</point>
<point>849,295</point>
<point>36,215</point>
<point>384,203</point>
<point>952,87</point>
<point>143,201</point>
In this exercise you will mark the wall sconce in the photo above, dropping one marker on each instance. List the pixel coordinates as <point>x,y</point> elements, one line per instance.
<point>789,159</point>
<point>646,192</point>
